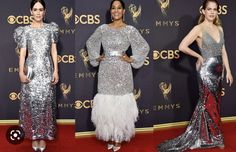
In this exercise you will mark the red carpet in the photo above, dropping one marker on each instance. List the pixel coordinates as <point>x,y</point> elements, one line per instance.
<point>66,142</point>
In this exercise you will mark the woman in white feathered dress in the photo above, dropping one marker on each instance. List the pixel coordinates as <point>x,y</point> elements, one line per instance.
<point>115,110</point>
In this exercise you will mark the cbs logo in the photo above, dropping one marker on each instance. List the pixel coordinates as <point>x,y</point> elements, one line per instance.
<point>87,19</point>
<point>166,54</point>
<point>222,10</point>
<point>19,19</point>
<point>83,104</point>
<point>14,96</point>
<point>66,58</point>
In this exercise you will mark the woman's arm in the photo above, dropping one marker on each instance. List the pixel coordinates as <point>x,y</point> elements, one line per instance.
<point>55,63</point>
<point>23,77</point>
<point>229,77</point>
<point>188,40</point>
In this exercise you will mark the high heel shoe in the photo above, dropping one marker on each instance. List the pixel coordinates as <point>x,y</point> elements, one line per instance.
<point>35,145</point>
<point>109,146</point>
<point>42,145</point>
<point>116,147</point>
<point>41,149</point>
<point>35,148</point>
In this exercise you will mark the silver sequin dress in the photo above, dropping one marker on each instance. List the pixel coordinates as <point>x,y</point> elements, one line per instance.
<point>37,114</point>
<point>204,129</point>
<point>114,109</point>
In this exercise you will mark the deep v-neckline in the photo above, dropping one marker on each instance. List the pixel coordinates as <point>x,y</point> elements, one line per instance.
<point>213,37</point>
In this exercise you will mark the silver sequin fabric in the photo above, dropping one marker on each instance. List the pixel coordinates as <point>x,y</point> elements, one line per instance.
<point>115,76</point>
<point>37,114</point>
<point>115,110</point>
<point>204,129</point>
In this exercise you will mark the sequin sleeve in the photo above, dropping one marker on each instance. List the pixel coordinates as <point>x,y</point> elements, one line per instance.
<point>140,48</point>
<point>54,32</point>
<point>19,37</point>
<point>94,45</point>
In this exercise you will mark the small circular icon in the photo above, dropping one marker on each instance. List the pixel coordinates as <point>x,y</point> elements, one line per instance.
<point>78,104</point>
<point>15,135</point>
<point>13,96</point>
<point>11,19</point>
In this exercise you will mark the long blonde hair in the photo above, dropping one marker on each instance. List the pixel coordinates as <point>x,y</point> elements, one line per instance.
<point>217,20</point>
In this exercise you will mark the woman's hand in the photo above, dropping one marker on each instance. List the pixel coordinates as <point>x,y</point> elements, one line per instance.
<point>229,78</point>
<point>101,58</point>
<point>23,78</point>
<point>55,78</point>
<point>199,63</point>
<point>125,58</point>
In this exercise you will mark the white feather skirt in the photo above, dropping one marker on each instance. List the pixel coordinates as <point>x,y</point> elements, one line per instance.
<point>114,117</point>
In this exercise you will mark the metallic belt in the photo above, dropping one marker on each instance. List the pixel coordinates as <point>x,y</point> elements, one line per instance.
<point>114,53</point>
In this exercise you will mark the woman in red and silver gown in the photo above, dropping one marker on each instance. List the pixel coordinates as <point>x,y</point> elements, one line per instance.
<point>204,129</point>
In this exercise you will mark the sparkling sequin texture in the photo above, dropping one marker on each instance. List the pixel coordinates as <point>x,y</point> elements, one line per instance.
<point>115,100</point>
<point>204,129</point>
<point>115,76</point>
<point>37,114</point>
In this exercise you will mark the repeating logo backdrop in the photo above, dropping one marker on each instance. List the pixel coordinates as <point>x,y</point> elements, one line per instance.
<point>166,87</point>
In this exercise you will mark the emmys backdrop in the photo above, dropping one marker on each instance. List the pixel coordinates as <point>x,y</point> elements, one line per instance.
<point>16,13</point>
<point>166,87</point>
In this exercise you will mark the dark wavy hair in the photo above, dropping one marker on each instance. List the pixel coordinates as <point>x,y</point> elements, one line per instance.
<point>122,3</point>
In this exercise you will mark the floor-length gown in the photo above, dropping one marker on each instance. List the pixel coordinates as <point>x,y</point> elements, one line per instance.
<point>114,109</point>
<point>37,114</point>
<point>204,129</point>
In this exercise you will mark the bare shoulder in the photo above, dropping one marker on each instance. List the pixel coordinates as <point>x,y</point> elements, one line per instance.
<point>221,29</point>
<point>198,28</point>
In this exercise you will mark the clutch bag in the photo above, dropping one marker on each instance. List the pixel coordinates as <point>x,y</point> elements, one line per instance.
<point>29,72</point>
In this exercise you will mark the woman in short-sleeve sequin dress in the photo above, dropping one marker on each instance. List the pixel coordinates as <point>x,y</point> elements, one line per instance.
<point>37,115</point>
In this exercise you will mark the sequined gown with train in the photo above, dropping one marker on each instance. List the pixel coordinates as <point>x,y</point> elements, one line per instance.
<point>115,111</point>
<point>204,129</point>
<point>37,114</point>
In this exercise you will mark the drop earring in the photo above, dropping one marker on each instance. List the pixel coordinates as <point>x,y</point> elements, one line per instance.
<point>111,19</point>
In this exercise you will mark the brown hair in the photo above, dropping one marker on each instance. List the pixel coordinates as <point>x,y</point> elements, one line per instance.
<point>217,21</point>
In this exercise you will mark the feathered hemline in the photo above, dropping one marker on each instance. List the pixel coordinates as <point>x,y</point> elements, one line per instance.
<point>114,117</point>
